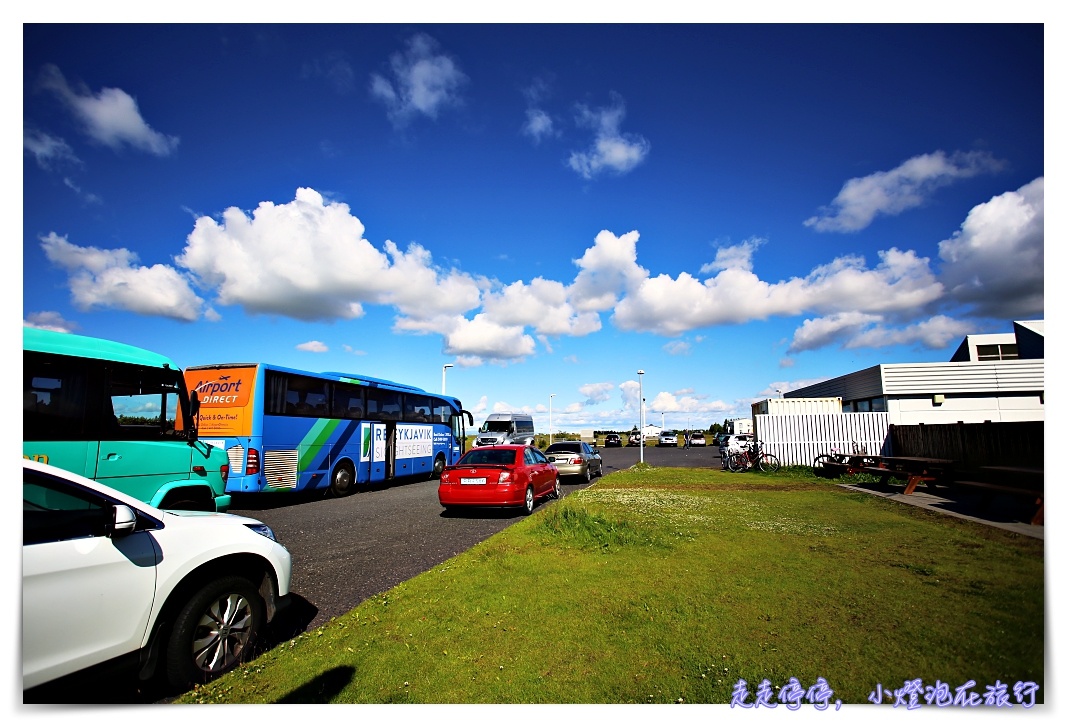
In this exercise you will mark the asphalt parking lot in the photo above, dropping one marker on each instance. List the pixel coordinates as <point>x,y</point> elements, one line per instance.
<point>346,550</point>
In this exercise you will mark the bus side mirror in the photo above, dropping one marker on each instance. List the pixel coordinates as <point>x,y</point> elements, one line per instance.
<point>194,414</point>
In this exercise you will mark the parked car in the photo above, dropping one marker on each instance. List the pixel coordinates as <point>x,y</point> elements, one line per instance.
<point>668,438</point>
<point>734,443</point>
<point>575,459</point>
<point>502,476</point>
<point>107,578</point>
<point>697,439</point>
<point>634,440</point>
<point>613,440</point>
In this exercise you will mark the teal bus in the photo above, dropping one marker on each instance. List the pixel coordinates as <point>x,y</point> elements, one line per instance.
<point>119,415</point>
<point>288,430</point>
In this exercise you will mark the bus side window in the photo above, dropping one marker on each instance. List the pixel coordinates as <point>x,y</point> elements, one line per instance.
<point>58,389</point>
<point>348,402</point>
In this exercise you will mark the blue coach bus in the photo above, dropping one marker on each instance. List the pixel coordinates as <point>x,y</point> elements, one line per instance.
<point>290,430</point>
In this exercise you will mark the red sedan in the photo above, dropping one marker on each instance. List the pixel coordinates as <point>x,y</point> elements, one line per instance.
<point>505,476</point>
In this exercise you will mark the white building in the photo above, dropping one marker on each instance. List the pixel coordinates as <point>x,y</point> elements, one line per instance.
<point>991,377</point>
<point>740,426</point>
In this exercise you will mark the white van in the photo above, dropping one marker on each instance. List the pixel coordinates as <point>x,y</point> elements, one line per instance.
<point>506,428</point>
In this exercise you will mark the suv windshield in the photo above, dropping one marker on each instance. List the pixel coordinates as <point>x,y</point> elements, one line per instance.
<point>497,426</point>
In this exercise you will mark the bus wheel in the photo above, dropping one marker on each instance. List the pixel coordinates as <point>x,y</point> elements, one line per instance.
<point>184,503</point>
<point>439,466</point>
<point>342,480</point>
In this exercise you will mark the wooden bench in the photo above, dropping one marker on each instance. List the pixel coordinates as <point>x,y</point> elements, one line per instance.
<point>1026,492</point>
<point>832,470</point>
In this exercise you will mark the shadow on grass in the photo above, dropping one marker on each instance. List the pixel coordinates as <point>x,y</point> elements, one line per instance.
<point>321,689</point>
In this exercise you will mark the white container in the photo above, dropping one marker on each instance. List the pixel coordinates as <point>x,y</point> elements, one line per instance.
<point>799,406</point>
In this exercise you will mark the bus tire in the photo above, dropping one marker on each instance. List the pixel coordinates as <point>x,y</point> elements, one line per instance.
<point>342,481</point>
<point>439,467</point>
<point>179,501</point>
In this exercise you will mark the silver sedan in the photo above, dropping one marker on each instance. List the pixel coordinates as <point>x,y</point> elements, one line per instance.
<point>575,459</point>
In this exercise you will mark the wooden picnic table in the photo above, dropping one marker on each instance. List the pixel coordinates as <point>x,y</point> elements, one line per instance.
<point>915,470</point>
<point>1015,480</point>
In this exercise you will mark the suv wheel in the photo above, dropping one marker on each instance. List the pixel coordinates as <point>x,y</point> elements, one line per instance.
<point>214,632</point>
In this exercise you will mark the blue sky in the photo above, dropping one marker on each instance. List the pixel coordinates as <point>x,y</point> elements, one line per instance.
<point>734,209</point>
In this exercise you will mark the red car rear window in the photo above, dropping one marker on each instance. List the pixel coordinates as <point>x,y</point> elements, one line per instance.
<point>489,457</point>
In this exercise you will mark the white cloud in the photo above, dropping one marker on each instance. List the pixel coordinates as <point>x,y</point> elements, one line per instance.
<point>423,83</point>
<point>739,257</point>
<point>335,68</point>
<point>480,336</point>
<point>611,150</point>
<point>538,126</point>
<point>112,279</point>
<point>49,321</point>
<point>317,347</point>
<point>542,304</point>
<point>48,151</point>
<point>597,393</point>
<point>821,332</point>
<point>996,261</point>
<point>906,186</point>
<point>110,117</point>
<point>628,392</point>
<point>677,348</point>
<point>675,405</point>
<point>88,197</point>
<point>308,259</point>
<point>607,270</point>
<point>902,281</point>
<point>350,350</point>
<point>856,330</point>
<point>937,332</point>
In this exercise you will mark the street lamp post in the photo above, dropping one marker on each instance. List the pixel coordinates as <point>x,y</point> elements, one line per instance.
<point>443,368</point>
<point>551,418</point>
<point>641,418</point>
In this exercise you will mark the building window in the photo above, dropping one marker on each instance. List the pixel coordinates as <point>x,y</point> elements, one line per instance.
<point>996,352</point>
<point>875,404</point>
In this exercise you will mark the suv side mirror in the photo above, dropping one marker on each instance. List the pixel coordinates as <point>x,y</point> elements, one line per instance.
<point>124,521</point>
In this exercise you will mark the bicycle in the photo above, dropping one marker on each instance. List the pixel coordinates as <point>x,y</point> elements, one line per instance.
<point>837,457</point>
<point>753,455</point>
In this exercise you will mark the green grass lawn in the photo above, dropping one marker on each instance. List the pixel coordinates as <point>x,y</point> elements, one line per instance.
<point>668,585</point>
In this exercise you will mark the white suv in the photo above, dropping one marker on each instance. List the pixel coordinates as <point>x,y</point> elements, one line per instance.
<point>109,579</point>
<point>734,443</point>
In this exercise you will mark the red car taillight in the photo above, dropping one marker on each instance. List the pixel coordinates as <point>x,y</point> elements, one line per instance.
<point>224,471</point>
<point>504,477</point>
<point>252,462</point>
